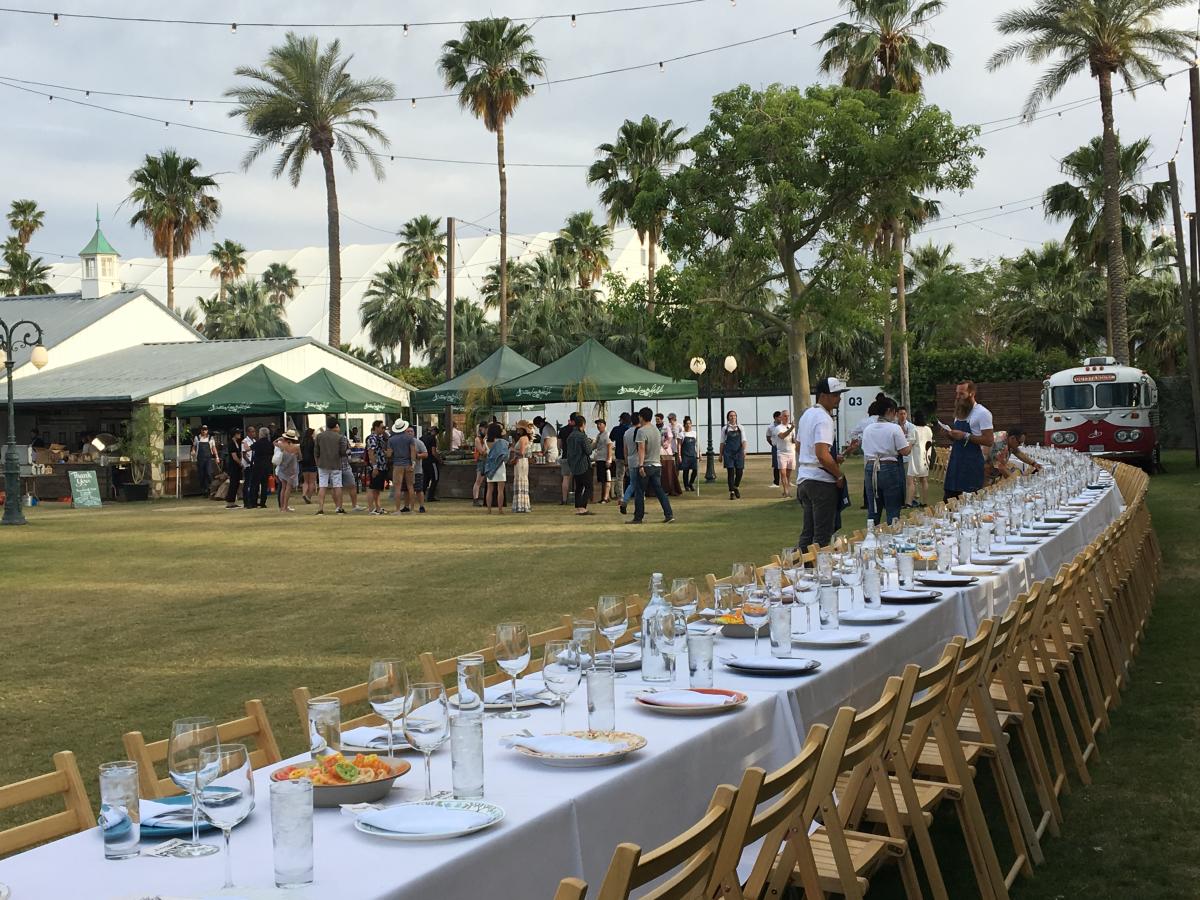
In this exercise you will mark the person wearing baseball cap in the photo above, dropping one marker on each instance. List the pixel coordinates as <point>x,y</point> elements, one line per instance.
<point>819,478</point>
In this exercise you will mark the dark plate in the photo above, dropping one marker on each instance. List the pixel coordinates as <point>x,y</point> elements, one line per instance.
<point>947,581</point>
<point>772,673</point>
<point>929,596</point>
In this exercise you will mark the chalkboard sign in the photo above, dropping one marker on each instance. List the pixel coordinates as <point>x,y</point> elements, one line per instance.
<point>85,489</point>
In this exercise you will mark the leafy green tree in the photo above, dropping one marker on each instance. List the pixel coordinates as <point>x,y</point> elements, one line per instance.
<point>585,242</point>
<point>248,311</point>
<point>951,305</point>
<point>424,244</point>
<point>1103,38</point>
<point>23,275</point>
<point>475,339</point>
<point>1048,298</point>
<point>630,173</point>
<point>777,180</point>
<point>1156,319</point>
<point>521,283</point>
<point>24,218</point>
<point>494,66</point>
<point>229,263</point>
<point>173,203</point>
<point>1080,202</point>
<point>279,280</point>
<point>399,310</point>
<point>304,101</point>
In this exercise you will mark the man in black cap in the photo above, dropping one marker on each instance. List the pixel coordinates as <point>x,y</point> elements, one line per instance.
<point>819,478</point>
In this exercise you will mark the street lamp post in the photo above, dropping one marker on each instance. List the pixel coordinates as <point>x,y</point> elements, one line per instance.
<point>730,365</point>
<point>699,366</point>
<point>13,338</point>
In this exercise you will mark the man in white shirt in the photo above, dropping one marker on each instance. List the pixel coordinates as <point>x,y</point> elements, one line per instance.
<point>771,431</point>
<point>456,437</point>
<point>819,478</point>
<point>970,437</point>
<point>783,450</point>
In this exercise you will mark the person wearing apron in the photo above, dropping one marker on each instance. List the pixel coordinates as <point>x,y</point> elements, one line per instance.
<point>203,456</point>
<point>733,454</point>
<point>885,446</point>
<point>971,435</point>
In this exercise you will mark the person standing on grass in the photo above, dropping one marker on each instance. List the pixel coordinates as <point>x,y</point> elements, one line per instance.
<point>629,449</point>
<point>578,456</point>
<point>648,443</point>
<point>261,452</point>
<point>617,436</point>
<point>204,454</point>
<point>602,456</point>
<point>784,449</point>
<point>479,489</point>
<point>421,453</point>
<point>919,459</point>
<point>970,437</point>
<point>733,454</point>
<point>910,434</point>
<point>287,473</point>
<point>377,467</point>
<point>494,467</point>
<point>349,479</point>
<point>519,458</point>
<point>776,418</point>
<point>689,454</point>
<point>328,452</point>
<point>431,466</point>
<point>233,468</point>
<point>248,440</point>
<point>308,464</point>
<point>819,478</point>
<point>564,467</point>
<point>885,446</point>
<point>402,450</point>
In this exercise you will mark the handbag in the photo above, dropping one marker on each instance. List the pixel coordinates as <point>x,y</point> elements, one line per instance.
<point>277,457</point>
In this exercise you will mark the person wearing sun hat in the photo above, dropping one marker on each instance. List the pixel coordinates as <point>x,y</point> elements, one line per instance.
<point>402,447</point>
<point>819,478</point>
<point>287,473</point>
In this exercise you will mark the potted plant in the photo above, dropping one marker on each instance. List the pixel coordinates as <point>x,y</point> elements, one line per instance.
<point>143,444</point>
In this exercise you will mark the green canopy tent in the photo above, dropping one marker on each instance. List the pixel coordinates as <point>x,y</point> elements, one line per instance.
<point>592,373</point>
<point>328,392</point>
<point>258,392</point>
<point>482,380</point>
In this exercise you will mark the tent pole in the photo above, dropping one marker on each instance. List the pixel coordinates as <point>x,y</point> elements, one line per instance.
<point>448,423</point>
<point>178,469</point>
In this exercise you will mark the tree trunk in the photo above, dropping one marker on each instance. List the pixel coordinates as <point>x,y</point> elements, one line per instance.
<point>898,243</point>
<point>1117,272</point>
<point>1108,317</point>
<point>335,251</point>
<point>887,337</point>
<point>503,235</point>
<point>405,353</point>
<point>797,338</point>
<point>651,266</point>
<point>171,270</point>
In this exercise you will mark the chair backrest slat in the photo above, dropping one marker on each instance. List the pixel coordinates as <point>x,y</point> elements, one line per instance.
<point>65,782</point>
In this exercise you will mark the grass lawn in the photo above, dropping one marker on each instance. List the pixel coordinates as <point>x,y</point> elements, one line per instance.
<point>130,616</point>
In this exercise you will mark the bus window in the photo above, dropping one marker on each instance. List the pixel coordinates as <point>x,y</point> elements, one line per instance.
<point>1116,396</point>
<point>1072,396</point>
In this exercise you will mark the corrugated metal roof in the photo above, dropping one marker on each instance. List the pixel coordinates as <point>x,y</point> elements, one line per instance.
<point>61,315</point>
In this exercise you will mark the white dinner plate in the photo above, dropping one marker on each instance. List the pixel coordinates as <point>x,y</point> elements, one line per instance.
<point>631,742</point>
<point>1012,547</point>
<point>868,616</point>
<point>494,813</point>
<point>990,559</point>
<point>1059,518</point>
<point>944,579</point>
<point>834,638</point>
<point>771,665</point>
<point>646,701</point>
<point>1023,541</point>
<point>973,570</point>
<point>628,658</point>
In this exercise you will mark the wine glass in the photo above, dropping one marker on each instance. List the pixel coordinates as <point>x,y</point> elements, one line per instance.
<point>188,737</point>
<point>612,620</point>
<point>512,655</point>
<point>427,721</point>
<point>387,686</point>
<point>226,787</point>
<point>852,573</point>
<point>723,599</point>
<point>685,596</point>
<point>672,631</point>
<point>561,671</point>
<point>756,609</point>
<point>744,574</point>
<point>805,587</point>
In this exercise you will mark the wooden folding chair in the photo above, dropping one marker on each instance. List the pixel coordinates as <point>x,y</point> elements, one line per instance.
<point>688,860</point>
<point>254,727</point>
<point>64,782</point>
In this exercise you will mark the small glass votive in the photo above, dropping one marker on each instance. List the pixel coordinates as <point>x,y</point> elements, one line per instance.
<point>324,726</point>
<point>872,589</point>
<point>945,554</point>
<point>780,618</point>
<point>466,755</point>
<point>966,545</point>
<point>700,659</point>
<point>469,699</point>
<point>292,831</point>
<point>601,700</point>
<point>904,567</point>
<point>120,818</point>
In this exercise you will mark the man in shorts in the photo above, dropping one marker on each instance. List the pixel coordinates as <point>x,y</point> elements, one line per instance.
<point>329,466</point>
<point>421,454</point>
<point>377,466</point>
<point>349,482</point>
<point>402,448</point>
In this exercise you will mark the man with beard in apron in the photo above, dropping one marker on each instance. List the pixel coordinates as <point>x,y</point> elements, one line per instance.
<point>969,437</point>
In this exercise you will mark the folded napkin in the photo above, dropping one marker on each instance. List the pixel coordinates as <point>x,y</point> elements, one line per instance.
<point>765,663</point>
<point>973,570</point>
<point>420,818</point>
<point>528,688</point>
<point>562,745</point>
<point>990,560</point>
<point>906,595</point>
<point>623,654</point>
<point>374,737</point>
<point>160,814</point>
<point>1010,548</point>
<point>686,698</point>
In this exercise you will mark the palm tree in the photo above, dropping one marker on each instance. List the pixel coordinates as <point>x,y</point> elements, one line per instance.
<point>1104,38</point>
<point>399,310</point>
<point>1080,202</point>
<point>493,67</point>
<point>173,204</point>
<point>424,245</point>
<point>25,218</point>
<point>22,275</point>
<point>521,283</point>
<point>1049,300</point>
<point>475,338</point>
<point>248,312</point>
<point>305,101</point>
<point>631,178</point>
<point>279,280</point>
<point>229,263</point>
<point>585,242</point>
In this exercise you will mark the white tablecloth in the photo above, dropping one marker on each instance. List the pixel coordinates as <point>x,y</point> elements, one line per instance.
<point>566,821</point>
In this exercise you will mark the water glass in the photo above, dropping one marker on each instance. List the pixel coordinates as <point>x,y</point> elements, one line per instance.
<point>601,699</point>
<point>292,831</point>
<point>872,588</point>
<point>828,607</point>
<point>724,599</point>
<point>700,659</point>
<point>466,755</point>
<point>983,537</point>
<point>773,580</point>
<point>781,629</point>
<point>513,655</point>
<point>966,544</point>
<point>945,554</point>
<point>226,791</point>
<point>904,567</point>
<point>324,726</point>
<point>119,813</point>
<point>685,595</point>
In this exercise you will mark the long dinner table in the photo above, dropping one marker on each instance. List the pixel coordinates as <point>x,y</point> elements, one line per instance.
<point>560,821</point>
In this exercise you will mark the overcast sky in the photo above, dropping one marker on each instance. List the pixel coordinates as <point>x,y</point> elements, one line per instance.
<point>69,158</point>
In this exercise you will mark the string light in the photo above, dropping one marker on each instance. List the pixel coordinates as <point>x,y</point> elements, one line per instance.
<point>191,105</point>
<point>414,102</point>
<point>572,20</point>
<point>233,27</point>
<point>661,68</point>
<point>406,31</point>
<point>56,18</point>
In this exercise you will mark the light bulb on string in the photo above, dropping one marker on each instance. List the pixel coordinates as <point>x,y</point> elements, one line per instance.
<point>55,18</point>
<point>406,30</point>
<point>87,93</point>
<point>795,32</point>
<point>191,104</point>
<point>414,102</point>
<point>572,20</point>
<point>233,27</point>
<point>661,68</point>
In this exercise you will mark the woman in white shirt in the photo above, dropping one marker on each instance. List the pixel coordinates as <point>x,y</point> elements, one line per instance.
<point>919,462</point>
<point>884,445</point>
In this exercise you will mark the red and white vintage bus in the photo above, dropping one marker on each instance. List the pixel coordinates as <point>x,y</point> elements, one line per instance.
<point>1103,409</point>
